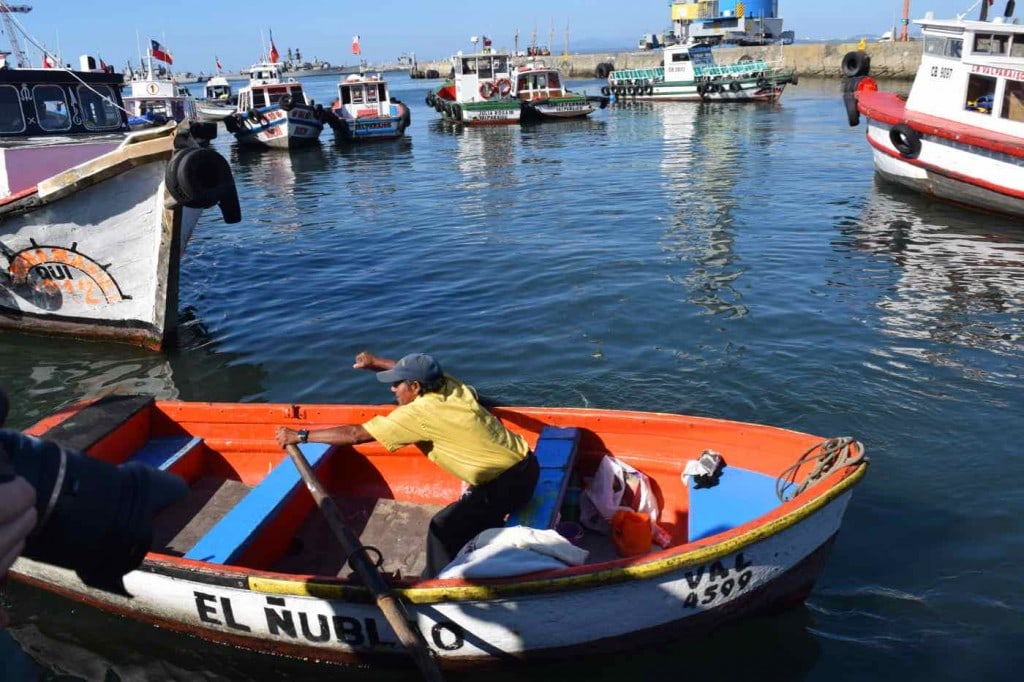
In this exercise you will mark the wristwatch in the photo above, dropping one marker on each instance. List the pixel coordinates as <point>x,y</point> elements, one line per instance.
<point>303,435</point>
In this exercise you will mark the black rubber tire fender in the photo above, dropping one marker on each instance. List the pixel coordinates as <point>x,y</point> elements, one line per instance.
<point>648,89</point>
<point>199,178</point>
<point>906,140</point>
<point>852,113</point>
<point>856,63</point>
<point>286,102</point>
<point>231,123</point>
<point>605,90</point>
<point>735,86</point>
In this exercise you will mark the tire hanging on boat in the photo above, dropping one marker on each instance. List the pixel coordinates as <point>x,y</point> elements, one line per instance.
<point>648,89</point>
<point>735,86</point>
<point>906,140</point>
<point>605,90</point>
<point>285,102</point>
<point>856,63</point>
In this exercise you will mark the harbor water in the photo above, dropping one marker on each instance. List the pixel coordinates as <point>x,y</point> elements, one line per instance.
<point>734,261</point>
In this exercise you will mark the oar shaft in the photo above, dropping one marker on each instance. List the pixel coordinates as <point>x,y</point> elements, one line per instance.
<point>392,609</point>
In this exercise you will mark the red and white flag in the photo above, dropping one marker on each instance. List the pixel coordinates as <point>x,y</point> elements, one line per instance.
<point>159,52</point>
<point>274,54</point>
<point>219,67</point>
<point>47,62</point>
<point>355,45</point>
<point>487,41</point>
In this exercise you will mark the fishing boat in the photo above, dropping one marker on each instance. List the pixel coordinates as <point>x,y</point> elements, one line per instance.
<point>273,112</point>
<point>480,91</point>
<point>365,110</point>
<point>154,96</point>
<point>959,135</point>
<point>94,217</point>
<point>245,558</point>
<point>689,73</point>
<point>543,96</point>
<point>218,101</point>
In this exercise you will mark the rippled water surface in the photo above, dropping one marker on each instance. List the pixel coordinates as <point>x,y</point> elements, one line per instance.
<point>731,261</point>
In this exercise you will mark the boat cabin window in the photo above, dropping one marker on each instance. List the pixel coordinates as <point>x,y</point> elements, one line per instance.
<point>1013,100</point>
<point>51,107</point>
<point>485,68</point>
<point>468,65</point>
<point>680,57</point>
<point>1017,47</point>
<point>500,65</point>
<point>371,94</point>
<point>12,120</point>
<point>98,110</point>
<point>357,94</point>
<point>980,94</point>
<point>943,46</point>
<point>991,43</point>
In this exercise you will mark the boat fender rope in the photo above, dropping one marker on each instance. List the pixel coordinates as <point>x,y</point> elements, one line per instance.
<point>906,140</point>
<point>832,454</point>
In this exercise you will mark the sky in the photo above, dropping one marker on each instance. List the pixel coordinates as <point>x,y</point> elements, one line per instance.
<point>198,32</point>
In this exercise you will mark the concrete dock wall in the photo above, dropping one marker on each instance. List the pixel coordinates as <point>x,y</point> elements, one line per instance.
<point>813,60</point>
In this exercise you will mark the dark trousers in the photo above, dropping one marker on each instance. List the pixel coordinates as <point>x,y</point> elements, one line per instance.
<point>480,507</point>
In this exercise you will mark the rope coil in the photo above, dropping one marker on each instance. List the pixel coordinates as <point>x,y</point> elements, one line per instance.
<point>832,454</point>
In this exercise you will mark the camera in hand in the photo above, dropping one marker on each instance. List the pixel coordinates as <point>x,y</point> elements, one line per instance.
<point>94,518</point>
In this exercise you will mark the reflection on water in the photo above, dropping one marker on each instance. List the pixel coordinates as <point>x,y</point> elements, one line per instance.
<point>958,281</point>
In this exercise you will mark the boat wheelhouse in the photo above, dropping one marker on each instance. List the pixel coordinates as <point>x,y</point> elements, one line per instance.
<point>274,112</point>
<point>480,91</point>
<point>689,73</point>
<point>154,96</point>
<point>544,96</point>
<point>959,135</point>
<point>365,110</point>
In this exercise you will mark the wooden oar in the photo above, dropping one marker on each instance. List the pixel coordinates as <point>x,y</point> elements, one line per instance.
<point>393,609</point>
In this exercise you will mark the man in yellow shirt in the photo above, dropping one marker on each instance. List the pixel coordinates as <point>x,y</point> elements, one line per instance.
<point>443,418</point>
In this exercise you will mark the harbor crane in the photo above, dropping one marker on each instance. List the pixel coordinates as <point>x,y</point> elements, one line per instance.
<point>20,60</point>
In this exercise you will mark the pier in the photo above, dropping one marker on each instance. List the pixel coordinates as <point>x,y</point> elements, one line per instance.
<point>897,60</point>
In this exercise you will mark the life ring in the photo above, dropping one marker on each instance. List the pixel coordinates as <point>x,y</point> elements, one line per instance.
<point>504,87</point>
<point>488,89</point>
<point>605,90</point>
<point>152,88</point>
<point>856,63</point>
<point>285,102</point>
<point>906,140</point>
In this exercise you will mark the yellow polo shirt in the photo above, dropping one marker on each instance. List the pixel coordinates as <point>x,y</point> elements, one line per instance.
<point>454,431</point>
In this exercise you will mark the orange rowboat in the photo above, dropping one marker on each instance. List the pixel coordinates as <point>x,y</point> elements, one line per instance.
<point>247,559</point>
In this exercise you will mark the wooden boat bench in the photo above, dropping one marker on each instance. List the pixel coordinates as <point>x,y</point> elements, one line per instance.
<point>739,496</point>
<point>163,451</point>
<point>228,539</point>
<point>556,454</point>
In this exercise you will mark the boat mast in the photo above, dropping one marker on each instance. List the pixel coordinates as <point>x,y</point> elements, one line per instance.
<point>906,21</point>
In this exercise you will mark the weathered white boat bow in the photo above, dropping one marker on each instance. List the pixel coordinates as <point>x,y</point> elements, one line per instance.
<point>94,218</point>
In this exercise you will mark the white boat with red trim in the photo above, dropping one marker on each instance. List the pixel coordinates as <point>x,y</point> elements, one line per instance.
<point>273,112</point>
<point>365,110</point>
<point>959,135</point>
<point>689,73</point>
<point>155,97</point>
<point>480,93</point>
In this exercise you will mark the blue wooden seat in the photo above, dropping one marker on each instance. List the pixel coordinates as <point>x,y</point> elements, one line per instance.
<point>163,451</point>
<point>228,539</point>
<point>556,455</point>
<point>739,496</point>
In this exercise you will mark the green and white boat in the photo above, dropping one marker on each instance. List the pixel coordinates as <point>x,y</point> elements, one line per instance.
<point>480,91</point>
<point>689,74</point>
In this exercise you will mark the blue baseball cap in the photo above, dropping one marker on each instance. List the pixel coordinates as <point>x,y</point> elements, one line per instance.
<point>413,367</point>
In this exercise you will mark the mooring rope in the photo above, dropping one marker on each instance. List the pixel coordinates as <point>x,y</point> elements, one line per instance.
<point>831,454</point>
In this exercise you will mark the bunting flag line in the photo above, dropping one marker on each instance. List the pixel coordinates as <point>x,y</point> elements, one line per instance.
<point>355,45</point>
<point>159,52</point>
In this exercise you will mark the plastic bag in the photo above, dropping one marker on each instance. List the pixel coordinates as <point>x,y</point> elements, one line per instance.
<point>615,485</point>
